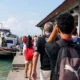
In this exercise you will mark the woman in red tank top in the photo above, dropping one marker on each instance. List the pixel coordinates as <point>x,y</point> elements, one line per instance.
<point>28,57</point>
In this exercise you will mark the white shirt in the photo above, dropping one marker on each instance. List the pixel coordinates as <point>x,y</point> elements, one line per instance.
<point>24,47</point>
<point>74,38</point>
<point>2,34</point>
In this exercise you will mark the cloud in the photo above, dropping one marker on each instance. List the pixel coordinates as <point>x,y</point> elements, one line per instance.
<point>22,28</point>
<point>11,23</point>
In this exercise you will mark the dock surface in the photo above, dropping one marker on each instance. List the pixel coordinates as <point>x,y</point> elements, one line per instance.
<point>17,72</point>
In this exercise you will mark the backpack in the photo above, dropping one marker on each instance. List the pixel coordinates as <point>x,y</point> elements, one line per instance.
<point>68,62</point>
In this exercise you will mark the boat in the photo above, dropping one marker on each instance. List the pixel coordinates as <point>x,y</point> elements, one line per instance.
<point>7,42</point>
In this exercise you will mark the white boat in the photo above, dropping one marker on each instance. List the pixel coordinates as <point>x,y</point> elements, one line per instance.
<point>7,42</point>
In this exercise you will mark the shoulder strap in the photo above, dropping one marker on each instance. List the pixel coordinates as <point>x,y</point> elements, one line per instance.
<point>56,69</point>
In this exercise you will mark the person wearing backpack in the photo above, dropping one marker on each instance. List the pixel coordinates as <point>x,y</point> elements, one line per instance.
<point>28,53</point>
<point>45,69</point>
<point>64,54</point>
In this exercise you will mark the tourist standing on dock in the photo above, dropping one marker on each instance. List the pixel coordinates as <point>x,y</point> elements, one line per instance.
<point>44,59</point>
<point>28,57</point>
<point>35,41</point>
<point>64,46</point>
<point>24,43</point>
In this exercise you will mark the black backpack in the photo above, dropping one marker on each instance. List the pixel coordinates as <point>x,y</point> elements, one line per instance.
<point>68,62</point>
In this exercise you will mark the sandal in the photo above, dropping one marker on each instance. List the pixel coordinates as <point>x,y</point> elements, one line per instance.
<point>26,76</point>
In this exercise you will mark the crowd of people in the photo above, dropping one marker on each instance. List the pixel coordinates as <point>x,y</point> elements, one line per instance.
<point>59,51</point>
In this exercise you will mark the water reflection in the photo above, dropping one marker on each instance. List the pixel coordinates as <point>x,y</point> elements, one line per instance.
<point>5,67</point>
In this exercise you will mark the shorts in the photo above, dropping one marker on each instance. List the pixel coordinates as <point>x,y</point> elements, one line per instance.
<point>45,74</point>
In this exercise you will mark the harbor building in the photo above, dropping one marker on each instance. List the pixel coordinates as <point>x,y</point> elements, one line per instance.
<point>70,6</point>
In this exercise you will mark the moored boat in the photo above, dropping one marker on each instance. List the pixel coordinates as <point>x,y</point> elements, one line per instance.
<point>7,42</point>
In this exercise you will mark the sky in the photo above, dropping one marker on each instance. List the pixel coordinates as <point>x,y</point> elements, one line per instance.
<point>22,16</point>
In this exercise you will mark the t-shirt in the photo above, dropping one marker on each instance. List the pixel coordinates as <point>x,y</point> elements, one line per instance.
<point>52,49</point>
<point>40,47</point>
<point>21,45</point>
<point>24,47</point>
<point>74,38</point>
<point>35,40</point>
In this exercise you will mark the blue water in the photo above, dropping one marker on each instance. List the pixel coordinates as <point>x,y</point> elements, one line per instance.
<point>5,67</point>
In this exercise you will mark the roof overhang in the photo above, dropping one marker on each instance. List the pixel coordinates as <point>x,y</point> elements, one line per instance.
<point>64,7</point>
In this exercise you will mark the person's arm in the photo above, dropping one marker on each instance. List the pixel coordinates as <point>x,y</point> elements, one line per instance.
<point>34,63</point>
<point>35,58</point>
<point>53,34</point>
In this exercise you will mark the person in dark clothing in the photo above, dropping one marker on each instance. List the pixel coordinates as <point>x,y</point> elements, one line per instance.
<point>45,71</point>
<point>65,27</point>
<point>4,43</point>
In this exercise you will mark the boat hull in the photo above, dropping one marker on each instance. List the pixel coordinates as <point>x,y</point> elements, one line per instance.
<point>7,52</point>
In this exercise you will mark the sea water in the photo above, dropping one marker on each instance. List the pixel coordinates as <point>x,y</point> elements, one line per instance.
<point>5,67</point>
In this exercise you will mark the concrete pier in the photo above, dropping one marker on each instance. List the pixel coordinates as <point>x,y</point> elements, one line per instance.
<point>17,72</point>
<point>18,61</point>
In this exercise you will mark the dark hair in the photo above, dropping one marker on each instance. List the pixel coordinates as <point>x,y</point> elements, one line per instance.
<point>75,32</point>
<point>65,23</point>
<point>29,41</point>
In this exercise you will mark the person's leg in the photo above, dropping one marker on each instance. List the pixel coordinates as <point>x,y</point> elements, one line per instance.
<point>26,69</point>
<point>45,74</point>
<point>30,70</point>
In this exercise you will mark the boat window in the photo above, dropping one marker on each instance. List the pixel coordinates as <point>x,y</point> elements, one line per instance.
<point>9,41</point>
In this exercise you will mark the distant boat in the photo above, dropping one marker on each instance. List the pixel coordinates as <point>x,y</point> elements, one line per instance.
<point>7,42</point>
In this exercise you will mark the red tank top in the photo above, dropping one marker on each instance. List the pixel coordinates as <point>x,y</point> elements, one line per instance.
<point>29,54</point>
